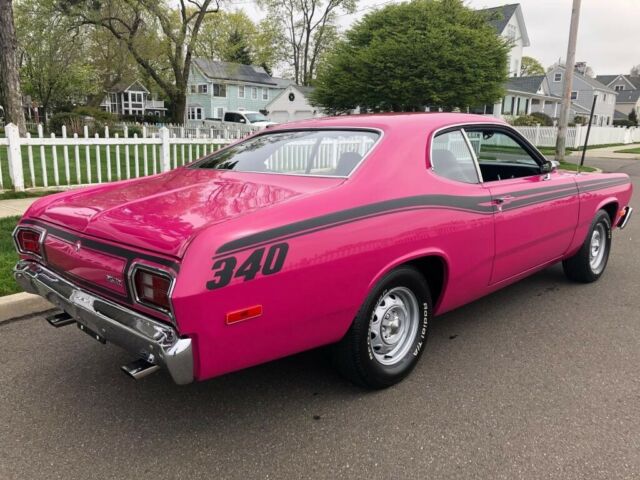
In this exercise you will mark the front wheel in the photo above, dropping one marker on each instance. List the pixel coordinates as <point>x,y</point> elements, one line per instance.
<point>589,263</point>
<point>388,334</point>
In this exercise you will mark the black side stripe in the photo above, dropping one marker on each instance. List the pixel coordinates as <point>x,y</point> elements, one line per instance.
<point>478,204</point>
<point>114,250</point>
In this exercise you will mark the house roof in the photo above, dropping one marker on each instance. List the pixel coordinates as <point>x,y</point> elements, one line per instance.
<point>618,115</point>
<point>608,79</point>
<point>628,96</point>
<point>282,82</point>
<point>304,90</point>
<point>124,85</point>
<point>216,70</point>
<point>498,18</point>
<point>529,84</point>
<point>591,81</point>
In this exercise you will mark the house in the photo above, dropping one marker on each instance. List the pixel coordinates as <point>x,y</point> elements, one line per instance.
<point>628,88</point>
<point>291,104</point>
<point>526,95</point>
<point>216,87</point>
<point>584,89</point>
<point>508,21</point>
<point>126,98</point>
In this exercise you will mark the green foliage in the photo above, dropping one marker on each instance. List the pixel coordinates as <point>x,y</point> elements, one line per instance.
<point>8,256</point>
<point>633,116</point>
<point>234,37</point>
<point>580,120</point>
<point>543,119</point>
<point>54,69</point>
<point>72,121</point>
<point>409,55</point>
<point>105,118</point>
<point>624,123</point>
<point>530,66</point>
<point>525,121</point>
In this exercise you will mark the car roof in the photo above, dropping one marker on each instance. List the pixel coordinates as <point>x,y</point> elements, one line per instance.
<point>390,121</point>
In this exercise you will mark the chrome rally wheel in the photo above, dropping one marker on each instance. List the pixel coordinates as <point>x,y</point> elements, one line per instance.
<point>394,325</point>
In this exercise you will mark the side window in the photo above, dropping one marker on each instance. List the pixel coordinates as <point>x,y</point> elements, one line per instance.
<point>500,156</point>
<point>451,158</point>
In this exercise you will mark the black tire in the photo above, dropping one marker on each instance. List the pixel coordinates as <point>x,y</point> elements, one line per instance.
<point>354,355</point>
<point>579,268</point>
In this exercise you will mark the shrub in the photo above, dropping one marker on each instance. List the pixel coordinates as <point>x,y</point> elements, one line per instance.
<point>100,116</point>
<point>72,121</point>
<point>623,123</point>
<point>525,121</point>
<point>543,119</point>
<point>580,120</point>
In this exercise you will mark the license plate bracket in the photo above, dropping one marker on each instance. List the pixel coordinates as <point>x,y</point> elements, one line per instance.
<point>91,333</point>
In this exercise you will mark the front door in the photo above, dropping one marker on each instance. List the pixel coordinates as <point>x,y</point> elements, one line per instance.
<point>535,214</point>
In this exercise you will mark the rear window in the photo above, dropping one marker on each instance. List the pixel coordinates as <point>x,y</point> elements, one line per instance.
<point>333,153</point>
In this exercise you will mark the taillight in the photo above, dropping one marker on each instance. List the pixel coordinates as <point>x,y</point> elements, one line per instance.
<point>29,241</point>
<point>152,288</point>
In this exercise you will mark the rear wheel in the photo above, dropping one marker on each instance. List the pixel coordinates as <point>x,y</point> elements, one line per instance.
<point>589,263</point>
<point>388,334</point>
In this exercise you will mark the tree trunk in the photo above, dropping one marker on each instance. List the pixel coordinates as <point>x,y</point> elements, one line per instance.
<point>9,77</point>
<point>179,106</point>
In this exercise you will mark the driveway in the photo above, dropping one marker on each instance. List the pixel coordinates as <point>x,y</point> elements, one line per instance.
<point>540,380</point>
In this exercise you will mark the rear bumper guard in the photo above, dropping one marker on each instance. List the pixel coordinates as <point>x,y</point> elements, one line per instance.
<point>624,219</point>
<point>153,341</point>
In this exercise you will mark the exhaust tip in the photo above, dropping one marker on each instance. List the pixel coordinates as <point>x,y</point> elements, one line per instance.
<point>139,369</point>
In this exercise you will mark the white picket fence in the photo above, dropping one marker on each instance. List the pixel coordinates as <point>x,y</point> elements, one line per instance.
<point>546,136</point>
<point>200,129</point>
<point>81,160</point>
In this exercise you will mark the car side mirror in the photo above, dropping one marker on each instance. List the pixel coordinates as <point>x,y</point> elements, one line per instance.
<point>550,166</point>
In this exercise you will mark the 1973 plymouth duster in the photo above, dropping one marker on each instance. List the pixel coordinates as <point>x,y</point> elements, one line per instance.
<point>352,231</point>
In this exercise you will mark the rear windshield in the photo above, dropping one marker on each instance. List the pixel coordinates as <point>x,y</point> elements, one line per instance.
<point>332,153</point>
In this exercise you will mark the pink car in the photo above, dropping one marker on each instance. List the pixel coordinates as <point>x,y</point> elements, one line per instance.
<point>352,231</point>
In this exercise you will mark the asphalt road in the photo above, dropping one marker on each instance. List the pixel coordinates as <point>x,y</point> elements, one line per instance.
<point>540,380</point>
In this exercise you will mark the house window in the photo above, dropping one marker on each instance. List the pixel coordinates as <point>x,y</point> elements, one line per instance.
<point>265,94</point>
<point>240,91</point>
<point>219,90</point>
<point>557,77</point>
<point>574,95</point>
<point>203,88</point>
<point>194,113</point>
<point>619,88</point>
<point>254,93</point>
<point>193,88</point>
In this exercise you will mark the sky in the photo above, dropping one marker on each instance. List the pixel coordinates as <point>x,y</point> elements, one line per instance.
<point>608,36</point>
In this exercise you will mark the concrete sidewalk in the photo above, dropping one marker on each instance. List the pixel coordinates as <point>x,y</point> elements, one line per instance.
<point>17,206</point>
<point>610,152</point>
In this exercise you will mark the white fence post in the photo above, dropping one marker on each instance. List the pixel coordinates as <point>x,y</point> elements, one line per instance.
<point>165,150</point>
<point>15,157</point>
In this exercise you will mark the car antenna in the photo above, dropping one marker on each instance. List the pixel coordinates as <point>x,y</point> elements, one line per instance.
<point>586,140</point>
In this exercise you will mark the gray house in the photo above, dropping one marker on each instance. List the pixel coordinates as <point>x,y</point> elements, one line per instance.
<point>132,98</point>
<point>583,91</point>
<point>628,89</point>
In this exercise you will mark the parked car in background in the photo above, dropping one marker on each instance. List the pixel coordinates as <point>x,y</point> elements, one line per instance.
<point>245,117</point>
<point>350,231</point>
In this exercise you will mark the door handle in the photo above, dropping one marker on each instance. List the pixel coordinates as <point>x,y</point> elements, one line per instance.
<point>503,199</point>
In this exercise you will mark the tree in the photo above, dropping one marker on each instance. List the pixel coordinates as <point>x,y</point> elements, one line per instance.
<point>9,76</point>
<point>238,49</point>
<point>530,66</point>
<point>262,42</point>
<point>406,56</point>
<point>310,31</point>
<point>633,116</point>
<point>635,71</point>
<point>161,38</point>
<point>54,68</point>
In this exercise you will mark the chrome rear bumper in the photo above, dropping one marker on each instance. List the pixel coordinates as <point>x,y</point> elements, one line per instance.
<point>140,335</point>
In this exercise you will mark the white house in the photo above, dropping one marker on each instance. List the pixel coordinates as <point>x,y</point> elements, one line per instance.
<point>292,104</point>
<point>628,90</point>
<point>127,98</point>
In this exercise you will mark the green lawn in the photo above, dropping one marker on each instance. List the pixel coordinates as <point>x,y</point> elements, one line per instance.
<point>629,150</point>
<point>90,175</point>
<point>8,256</point>
<point>574,167</point>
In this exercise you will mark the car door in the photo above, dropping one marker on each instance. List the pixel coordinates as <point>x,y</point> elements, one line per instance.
<point>535,213</point>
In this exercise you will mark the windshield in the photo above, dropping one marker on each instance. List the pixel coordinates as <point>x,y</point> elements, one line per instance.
<point>333,153</point>
<point>256,117</point>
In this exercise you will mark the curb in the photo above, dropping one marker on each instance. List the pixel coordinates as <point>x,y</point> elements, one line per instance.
<point>22,305</point>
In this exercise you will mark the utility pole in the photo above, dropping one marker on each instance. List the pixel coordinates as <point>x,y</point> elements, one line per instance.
<point>568,81</point>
